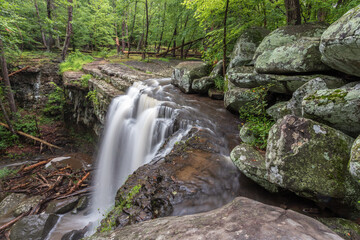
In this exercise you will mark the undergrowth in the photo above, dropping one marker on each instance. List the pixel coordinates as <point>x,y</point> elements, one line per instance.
<point>75,61</point>
<point>55,104</point>
<point>254,114</point>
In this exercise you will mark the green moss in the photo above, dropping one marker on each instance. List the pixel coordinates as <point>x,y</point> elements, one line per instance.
<point>334,96</point>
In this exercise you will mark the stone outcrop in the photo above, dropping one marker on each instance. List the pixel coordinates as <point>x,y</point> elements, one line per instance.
<point>340,43</point>
<point>237,97</point>
<point>354,165</point>
<point>242,219</point>
<point>339,108</point>
<point>246,46</point>
<point>301,56</point>
<point>186,72</point>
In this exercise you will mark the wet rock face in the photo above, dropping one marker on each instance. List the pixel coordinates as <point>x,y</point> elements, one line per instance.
<point>311,159</point>
<point>354,166</point>
<point>172,186</point>
<point>339,108</point>
<point>302,56</point>
<point>246,46</point>
<point>340,43</point>
<point>35,227</point>
<point>242,219</point>
<point>185,73</point>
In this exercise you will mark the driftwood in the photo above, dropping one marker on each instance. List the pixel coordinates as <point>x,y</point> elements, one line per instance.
<point>31,137</point>
<point>20,70</point>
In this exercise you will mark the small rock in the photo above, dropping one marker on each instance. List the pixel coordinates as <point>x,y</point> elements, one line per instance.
<point>62,206</point>
<point>81,205</point>
<point>216,94</point>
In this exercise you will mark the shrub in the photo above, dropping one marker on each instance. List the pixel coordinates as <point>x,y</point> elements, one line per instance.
<point>84,80</point>
<point>55,104</point>
<point>92,96</point>
<point>75,62</point>
<point>220,83</point>
<point>254,113</point>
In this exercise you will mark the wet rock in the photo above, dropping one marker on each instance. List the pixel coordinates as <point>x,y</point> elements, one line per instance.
<point>34,227</point>
<point>311,160</point>
<point>172,186</point>
<point>251,162</point>
<point>242,219</point>
<point>11,202</point>
<point>343,227</point>
<point>339,108</point>
<point>246,46</point>
<point>340,43</point>
<point>216,94</point>
<point>302,56</point>
<point>26,205</point>
<point>278,110</point>
<point>235,98</point>
<point>62,206</point>
<point>354,165</point>
<point>287,35</point>
<point>75,234</point>
<point>281,83</point>
<point>185,73</point>
<point>81,205</point>
<point>202,85</point>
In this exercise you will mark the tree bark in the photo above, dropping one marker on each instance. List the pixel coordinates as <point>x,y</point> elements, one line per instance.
<point>162,29</point>
<point>174,44</point>
<point>40,24</point>
<point>123,36</point>
<point>50,38</point>
<point>132,29</point>
<point>183,41</point>
<point>225,45</point>
<point>293,12</point>
<point>68,30</point>
<point>8,90</point>
<point>147,24</point>
<point>7,119</point>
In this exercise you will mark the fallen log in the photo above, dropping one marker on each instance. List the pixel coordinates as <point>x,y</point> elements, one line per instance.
<point>10,223</point>
<point>28,168</point>
<point>20,70</point>
<point>31,137</point>
<point>183,45</point>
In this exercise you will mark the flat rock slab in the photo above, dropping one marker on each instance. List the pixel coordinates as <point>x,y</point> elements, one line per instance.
<point>242,219</point>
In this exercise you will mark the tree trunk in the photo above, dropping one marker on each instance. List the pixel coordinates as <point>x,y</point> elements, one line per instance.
<point>50,38</point>
<point>174,45</point>
<point>7,119</point>
<point>123,36</point>
<point>293,12</point>
<point>224,53</point>
<point>162,29</point>
<point>132,30</point>
<point>183,41</point>
<point>147,24</point>
<point>8,90</point>
<point>68,30</point>
<point>40,25</point>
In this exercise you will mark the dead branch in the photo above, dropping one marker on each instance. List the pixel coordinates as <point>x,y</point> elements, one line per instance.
<point>20,70</point>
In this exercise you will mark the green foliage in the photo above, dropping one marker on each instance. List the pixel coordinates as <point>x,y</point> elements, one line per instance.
<point>92,96</point>
<point>7,138</point>
<point>254,114</point>
<point>55,104</point>
<point>75,62</point>
<point>220,83</point>
<point>84,80</point>
<point>109,222</point>
<point>5,172</point>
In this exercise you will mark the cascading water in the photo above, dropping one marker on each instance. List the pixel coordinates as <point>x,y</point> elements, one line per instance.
<point>136,128</point>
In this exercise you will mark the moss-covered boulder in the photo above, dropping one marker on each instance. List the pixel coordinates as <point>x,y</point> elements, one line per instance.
<point>186,72</point>
<point>246,46</point>
<point>311,160</point>
<point>252,163</point>
<point>10,202</point>
<point>217,70</point>
<point>302,56</point>
<point>354,166</point>
<point>287,35</point>
<point>340,43</point>
<point>235,98</point>
<point>284,84</point>
<point>339,108</point>
<point>246,135</point>
<point>202,85</point>
<point>278,110</point>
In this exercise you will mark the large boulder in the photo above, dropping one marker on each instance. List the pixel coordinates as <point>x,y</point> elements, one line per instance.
<point>11,201</point>
<point>340,43</point>
<point>242,219</point>
<point>235,98</point>
<point>26,205</point>
<point>278,110</point>
<point>283,84</point>
<point>252,163</point>
<point>186,72</point>
<point>246,46</point>
<point>287,35</point>
<point>354,166</point>
<point>339,108</point>
<point>202,85</point>
<point>218,70</point>
<point>302,56</point>
<point>34,227</point>
<point>311,159</point>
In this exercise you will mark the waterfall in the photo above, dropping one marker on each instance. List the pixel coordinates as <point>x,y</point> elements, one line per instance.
<point>136,127</point>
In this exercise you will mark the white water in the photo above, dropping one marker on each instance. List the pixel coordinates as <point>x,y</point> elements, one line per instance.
<point>133,135</point>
